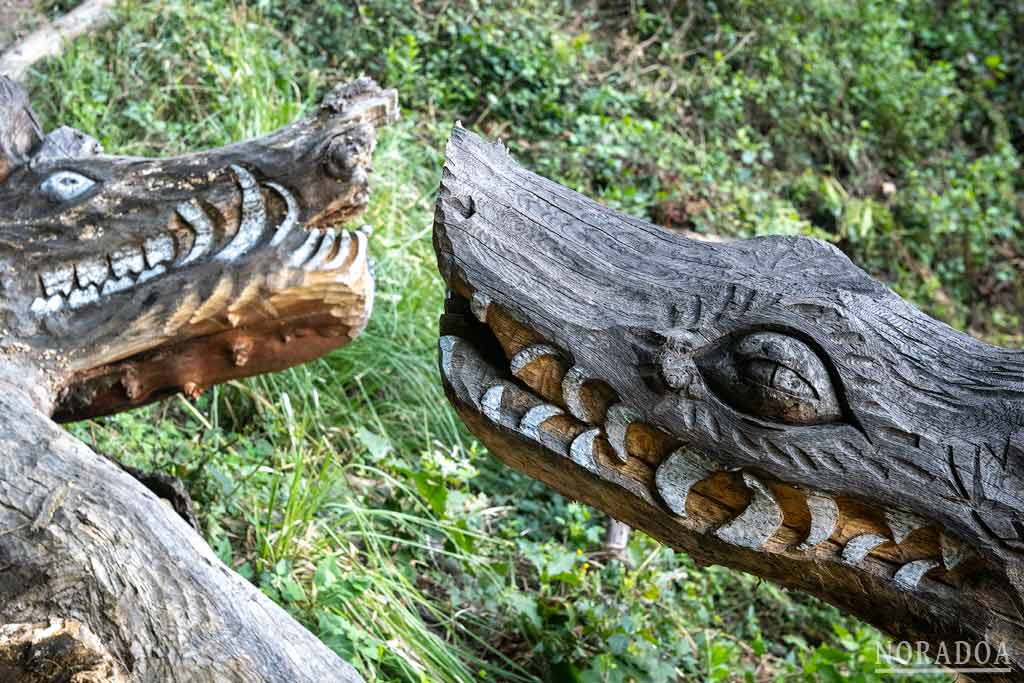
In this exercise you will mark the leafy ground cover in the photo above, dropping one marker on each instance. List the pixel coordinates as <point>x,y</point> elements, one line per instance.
<point>347,489</point>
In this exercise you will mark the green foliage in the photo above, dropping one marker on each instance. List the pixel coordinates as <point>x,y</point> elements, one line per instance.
<point>349,491</point>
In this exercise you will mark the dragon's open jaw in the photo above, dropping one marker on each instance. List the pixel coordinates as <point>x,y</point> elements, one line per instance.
<point>517,387</point>
<point>138,277</point>
<point>762,404</point>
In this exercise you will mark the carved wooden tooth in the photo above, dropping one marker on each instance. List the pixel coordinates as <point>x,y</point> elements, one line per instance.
<point>291,217</point>
<point>323,252</point>
<point>253,221</point>
<point>42,306</point>
<point>92,271</point>
<point>858,547</point>
<point>824,517</point>
<point>677,474</point>
<point>490,402</point>
<point>616,424</point>
<point>909,575</point>
<point>305,250</point>
<point>541,367</point>
<point>758,522</point>
<point>83,297</point>
<point>586,397</point>
<point>953,551</point>
<point>59,280</point>
<point>902,524</point>
<point>582,451</point>
<point>193,214</point>
<point>479,304</point>
<point>534,417</point>
<point>446,345</point>
<point>158,250</point>
<point>342,253</point>
<point>127,260</point>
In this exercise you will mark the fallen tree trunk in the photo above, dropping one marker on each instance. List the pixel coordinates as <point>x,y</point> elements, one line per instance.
<point>123,280</point>
<point>761,404</point>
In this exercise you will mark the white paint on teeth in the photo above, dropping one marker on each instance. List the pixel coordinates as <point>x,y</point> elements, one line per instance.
<point>341,255</point>
<point>447,346</point>
<point>824,517</point>
<point>530,354</point>
<point>42,306</point>
<point>114,286</point>
<point>253,221</point>
<point>677,474</point>
<point>479,305</point>
<point>902,524</point>
<point>859,546</point>
<point>159,250</point>
<point>572,391</point>
<point>581,451</point>
<point>323,252</point>
<point>192,213</point>
<point>92,271</point>
<point>83,297</point>
<point>616,425</point>
<point>305,250</point>
<point>127,260</point>
<point>535,417</point>
<point>291,217</point>
<point>909,575</point>
<point>758,522</point>
<point>490,402</point>
<point>60,280</point>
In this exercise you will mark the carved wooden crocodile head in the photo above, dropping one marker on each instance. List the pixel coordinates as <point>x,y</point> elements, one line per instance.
<point>127,278</point>
<point>763,404</point>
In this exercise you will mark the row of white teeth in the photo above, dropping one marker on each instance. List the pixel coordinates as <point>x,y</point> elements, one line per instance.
<point>78,284</point>
<point>507,404</point>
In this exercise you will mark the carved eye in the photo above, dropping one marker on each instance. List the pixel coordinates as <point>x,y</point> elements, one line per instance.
<point>64,186</point>
<point>771,376</point>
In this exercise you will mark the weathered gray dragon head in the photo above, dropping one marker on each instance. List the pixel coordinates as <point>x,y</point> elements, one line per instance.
<point>763,404</point>
<point>127,278</point>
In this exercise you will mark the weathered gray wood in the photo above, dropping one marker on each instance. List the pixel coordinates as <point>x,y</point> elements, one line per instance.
<point>882,441</point>
<point>108,554</point>
<point>125,279</point>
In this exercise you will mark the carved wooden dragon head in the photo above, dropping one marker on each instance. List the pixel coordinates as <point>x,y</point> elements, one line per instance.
<point>763,404</point>
<point>127,278</point>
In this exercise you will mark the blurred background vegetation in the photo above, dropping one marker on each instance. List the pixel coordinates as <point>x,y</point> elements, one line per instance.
<point>348,490</point>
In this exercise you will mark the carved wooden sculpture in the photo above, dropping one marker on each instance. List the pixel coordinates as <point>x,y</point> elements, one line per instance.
<point>124,279</point>
<point>763,404</point>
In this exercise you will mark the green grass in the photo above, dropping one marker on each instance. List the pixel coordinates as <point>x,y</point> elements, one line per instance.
<point>348,490</point>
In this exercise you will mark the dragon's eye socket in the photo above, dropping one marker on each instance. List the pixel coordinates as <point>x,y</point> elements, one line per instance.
<point>64,186</point>
<point>771,376</point>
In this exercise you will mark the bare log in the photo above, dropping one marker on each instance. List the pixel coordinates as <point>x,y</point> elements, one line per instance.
<point>49,39</point>
<point>761,404</point>
<point>122,280</point>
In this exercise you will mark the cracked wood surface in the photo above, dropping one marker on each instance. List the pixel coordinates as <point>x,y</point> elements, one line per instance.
<point>762,404</point>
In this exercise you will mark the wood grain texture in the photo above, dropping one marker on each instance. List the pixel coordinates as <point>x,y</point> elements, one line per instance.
<point>790,385</point>
<point>123,280</point>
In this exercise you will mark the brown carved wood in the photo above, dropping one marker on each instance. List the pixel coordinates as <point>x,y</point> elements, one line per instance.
<point>761,404</point>
<point>123,280</point>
